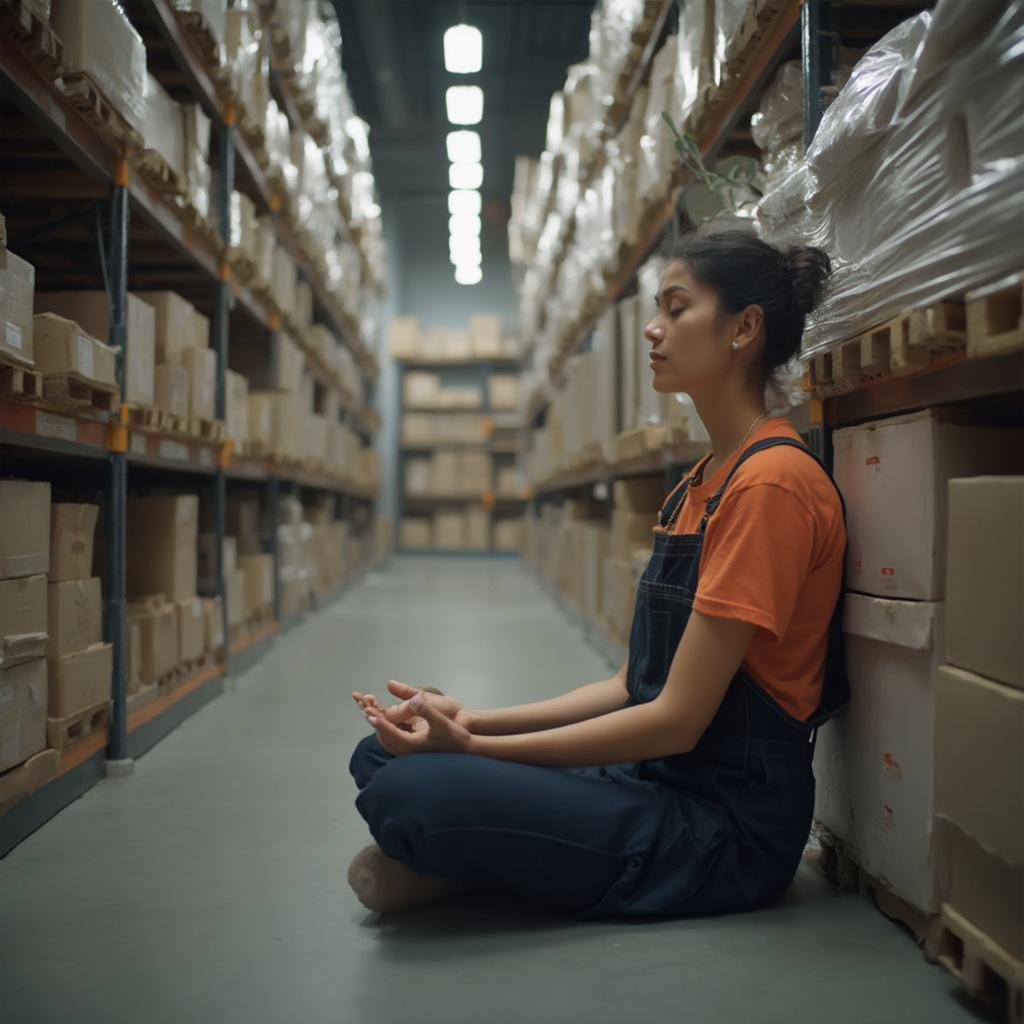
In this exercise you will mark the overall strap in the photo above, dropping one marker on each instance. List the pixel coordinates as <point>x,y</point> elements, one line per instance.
<point>768,442</point>
<point>668,510</point>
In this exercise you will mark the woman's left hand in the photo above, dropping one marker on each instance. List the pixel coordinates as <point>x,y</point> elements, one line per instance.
<point>432,732</point>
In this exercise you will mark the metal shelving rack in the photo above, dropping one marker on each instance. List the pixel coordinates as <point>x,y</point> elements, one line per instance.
<point>493,502</point>
<point>116,454</point>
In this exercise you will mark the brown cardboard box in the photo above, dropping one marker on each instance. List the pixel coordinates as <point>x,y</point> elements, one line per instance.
<point>416,533</point>
<point>72,535</point>
<point>80,680</point>
<point>508,535</point>
<point>74,616</point>
<point>24,528</point>
<point>242,519</point>
<point>61,346</point>
<point>979,760</point>
<point>478,528</point>
<point>485,336</point>
<point>261,417</point>
<point>176,327</point>
<point>237,406</point>
<point>134,657</point>
<point>17,284</point>
<point>503,391</point>
<point>191,629</point>
<point>22,619</point>
<point>162,541</point>
<point>404,337</point>
<point>618,596</point>
<point>449,530</point>
<point>201,367</point>
<point>638,494</point>
<point>258,574</point>
<point>171,389</point>
<point>207,566</point>
<point>421,389</point>
<point>235,593</point>
<point>213,617</point>
<point>91,311</point>
<point>158,626</point>
<point>985,577</point>
<point>596,541</point>
<point>630,530</point>
<point>23,697</point>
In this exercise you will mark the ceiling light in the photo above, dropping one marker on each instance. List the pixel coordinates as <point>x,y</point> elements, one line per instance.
<point>460,248</point>
<point>464,224</point>
<point>464,201</point>
<point>463,50</point>
<point>458,256</point>
<point>468,275</point>
<point>465,104</point>
<point>463,147</point>
<point>469,176</point>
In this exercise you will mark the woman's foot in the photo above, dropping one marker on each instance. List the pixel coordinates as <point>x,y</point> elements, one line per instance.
<point>386,885</point>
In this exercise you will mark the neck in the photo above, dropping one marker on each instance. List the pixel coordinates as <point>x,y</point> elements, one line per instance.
<point>727,415</point>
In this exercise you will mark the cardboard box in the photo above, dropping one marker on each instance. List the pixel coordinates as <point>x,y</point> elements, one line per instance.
<point>24,528</point>
<point>191,629</point>
<point>261,417</point>
<point>201,367</point>
<point>631,530</point>
<point>213,618</point>
<point>175,324</point>
<point>243,519</point>
<point>404,337</point>
<point>639,494</point>
<point>485,336</point>
<point>985,577</point>
<point>158,628</point>
<point>618,596</point>
<point>134,657</point>
<point>979,760</point>
<point>421,389</point>
<point>22,619</point>
<point>17,285</point>
<point>416,533</point>
<point>258,575</point>
<point>894,474</point>
<point>171,389</point>
<point>596,539</point>
<point>875,764</point>
<point>508,535</point>
<point>23,698</point>
<point>100,41</point>
<point>503,391</point>
<point>80,680</point>
<point>72,538</point>
<point>449,530</point>
<point>478,528</point>
<point>74,616</point>
<point>234,586</point>
<point>980,886</point>
<point>164,127</point>
<point>62,347</point>
<point>207,556</point>
<point>237,406</point>
<point>162,541</point>
<point>91,311</point>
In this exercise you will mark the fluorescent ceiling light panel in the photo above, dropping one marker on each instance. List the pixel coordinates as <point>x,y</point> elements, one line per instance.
<point>463,147</point>
<point>463,50</point>
<point>460,224</point>
<point>464,201</point>
<point>468,275</point>
<point>468,176</point>
<point>465,104</point>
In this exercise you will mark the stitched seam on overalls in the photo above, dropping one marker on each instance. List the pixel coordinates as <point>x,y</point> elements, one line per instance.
<point>536,835</point>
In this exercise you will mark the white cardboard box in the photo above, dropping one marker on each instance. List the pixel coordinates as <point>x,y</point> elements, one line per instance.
<point>875,763</point>
<point>893,474</point>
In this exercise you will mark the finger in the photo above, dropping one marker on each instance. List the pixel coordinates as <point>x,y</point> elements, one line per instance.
<point>390,734</point>
<point>401,690</point>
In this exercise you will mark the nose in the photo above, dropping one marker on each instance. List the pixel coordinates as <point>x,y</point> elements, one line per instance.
<point>653,332</point>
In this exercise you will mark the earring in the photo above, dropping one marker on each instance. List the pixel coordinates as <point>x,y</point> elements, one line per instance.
<point>735,344</point>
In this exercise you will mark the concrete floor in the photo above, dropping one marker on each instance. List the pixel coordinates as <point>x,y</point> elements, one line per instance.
<point>210,885</point>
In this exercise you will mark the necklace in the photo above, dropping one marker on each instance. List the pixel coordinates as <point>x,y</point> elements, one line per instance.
<point>750,430</point>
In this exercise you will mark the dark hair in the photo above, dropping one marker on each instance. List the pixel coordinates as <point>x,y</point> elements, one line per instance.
<point>745,271</point>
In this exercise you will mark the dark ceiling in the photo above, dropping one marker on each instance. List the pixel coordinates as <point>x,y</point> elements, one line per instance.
<point>393,58</point>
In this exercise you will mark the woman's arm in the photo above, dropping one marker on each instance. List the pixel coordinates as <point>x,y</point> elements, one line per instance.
<point>590,701</point>
<point>709,654</point>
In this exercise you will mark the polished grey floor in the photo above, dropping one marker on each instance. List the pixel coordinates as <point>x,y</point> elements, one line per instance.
<point>210,885</point>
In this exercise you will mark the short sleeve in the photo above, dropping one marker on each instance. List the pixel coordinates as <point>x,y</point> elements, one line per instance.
<point>758,551</point>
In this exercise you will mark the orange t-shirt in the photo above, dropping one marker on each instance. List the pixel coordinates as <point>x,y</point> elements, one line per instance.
<point>773,556</point>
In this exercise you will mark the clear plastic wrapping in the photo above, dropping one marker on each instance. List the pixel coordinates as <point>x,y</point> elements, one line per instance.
<point>912,183</point>
<point>164,127</point>
<point>730,16</point>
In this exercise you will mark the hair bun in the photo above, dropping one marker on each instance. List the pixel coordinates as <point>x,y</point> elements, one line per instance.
<point>808,269</point>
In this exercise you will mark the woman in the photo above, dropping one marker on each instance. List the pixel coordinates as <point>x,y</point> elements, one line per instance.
<point>683,784</point>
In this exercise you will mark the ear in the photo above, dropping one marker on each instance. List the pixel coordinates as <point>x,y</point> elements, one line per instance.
<point>748,327</point>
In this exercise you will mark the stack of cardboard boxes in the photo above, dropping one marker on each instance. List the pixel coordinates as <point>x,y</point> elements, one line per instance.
<point>17,285</point>
<point>882,767</point>
<point>250,587</point>
<point>481,339</point>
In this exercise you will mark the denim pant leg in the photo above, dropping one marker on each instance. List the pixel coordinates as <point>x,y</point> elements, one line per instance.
<point>561,837</point>
<point>368,756</point>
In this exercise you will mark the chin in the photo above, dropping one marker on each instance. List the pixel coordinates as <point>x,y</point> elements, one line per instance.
<point>666,386</point>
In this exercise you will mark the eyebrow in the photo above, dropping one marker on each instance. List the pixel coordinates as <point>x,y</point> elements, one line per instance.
<point>665,292</point>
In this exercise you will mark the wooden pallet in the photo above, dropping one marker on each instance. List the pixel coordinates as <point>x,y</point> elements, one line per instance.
<point>34,36</point>
<point>908,343</point>
<point>141,697</point>
<point>24,779</point>
<point>155,169</point>
<point>995,318</point>
<point>204,429</point>
<point>62,733</point>
<point>20,384</point>
<point>70,392</point>
<point>988,972</point>
<point>87,99</point>
<point>182,672</point>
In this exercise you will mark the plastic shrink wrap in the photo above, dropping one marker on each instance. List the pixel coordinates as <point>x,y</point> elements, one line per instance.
<point>913,180</point>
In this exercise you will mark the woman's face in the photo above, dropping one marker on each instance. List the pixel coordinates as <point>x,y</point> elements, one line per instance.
<point>689,340</point>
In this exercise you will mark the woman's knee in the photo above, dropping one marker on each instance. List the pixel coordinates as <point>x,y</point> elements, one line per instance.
<point>367,758</point>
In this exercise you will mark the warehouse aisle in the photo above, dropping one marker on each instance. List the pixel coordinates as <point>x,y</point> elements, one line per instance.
<point>211,885</point>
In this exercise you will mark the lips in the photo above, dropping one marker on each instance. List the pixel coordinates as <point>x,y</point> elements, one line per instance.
<point>655,358</point>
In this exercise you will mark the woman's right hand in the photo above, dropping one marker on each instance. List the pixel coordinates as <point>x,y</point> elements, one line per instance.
<point>402,715</point>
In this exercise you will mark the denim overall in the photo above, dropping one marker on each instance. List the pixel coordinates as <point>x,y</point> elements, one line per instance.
<point>747,786</point>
